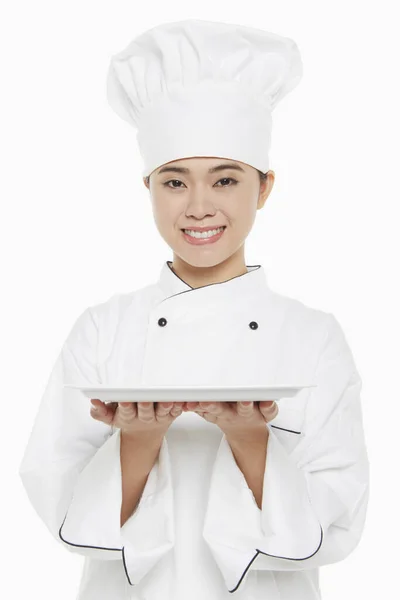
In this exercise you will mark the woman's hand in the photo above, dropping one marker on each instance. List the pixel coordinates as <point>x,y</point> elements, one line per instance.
<point>135,418</point>
<point>237,418</point>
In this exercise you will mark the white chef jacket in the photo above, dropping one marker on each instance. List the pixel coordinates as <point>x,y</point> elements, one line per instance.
<point>197,531</point>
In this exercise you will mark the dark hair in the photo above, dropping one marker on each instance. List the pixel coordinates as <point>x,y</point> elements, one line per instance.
<point>263,177</point>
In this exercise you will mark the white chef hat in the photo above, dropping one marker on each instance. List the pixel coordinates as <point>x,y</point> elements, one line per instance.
<point>202,88</point>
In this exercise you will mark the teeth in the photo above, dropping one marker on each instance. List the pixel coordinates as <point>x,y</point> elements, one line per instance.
<point>204,234</point>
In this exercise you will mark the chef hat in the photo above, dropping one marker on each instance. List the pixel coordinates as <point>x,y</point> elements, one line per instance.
<point>202,88</point>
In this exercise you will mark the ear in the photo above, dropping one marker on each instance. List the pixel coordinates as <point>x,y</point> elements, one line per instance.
<point>265,189</point>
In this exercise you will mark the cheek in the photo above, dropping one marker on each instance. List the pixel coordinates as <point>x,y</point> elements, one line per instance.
<point>167,222</point>
<point>243,215</point>
<point>165,213</point>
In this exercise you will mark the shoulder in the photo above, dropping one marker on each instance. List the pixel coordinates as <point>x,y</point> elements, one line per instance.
<point>301,318</point>
<point>318,329</point>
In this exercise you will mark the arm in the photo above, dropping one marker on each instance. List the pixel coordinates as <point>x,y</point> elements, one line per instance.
<point>137,460</point>
<point>72,470</point>
<point>315,496</point>
<point>250,456</point>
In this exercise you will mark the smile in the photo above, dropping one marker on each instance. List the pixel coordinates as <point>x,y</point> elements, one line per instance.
<point>207,237</point>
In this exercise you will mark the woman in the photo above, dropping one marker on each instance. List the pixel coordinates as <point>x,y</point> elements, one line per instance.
<point>201,500</point>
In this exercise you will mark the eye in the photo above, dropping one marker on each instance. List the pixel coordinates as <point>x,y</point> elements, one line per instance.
<point>171,180</point>
<point>228,179</point>
<point>234,182</point>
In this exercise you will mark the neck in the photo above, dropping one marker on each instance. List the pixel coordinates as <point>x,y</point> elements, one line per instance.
<point>199,276</point>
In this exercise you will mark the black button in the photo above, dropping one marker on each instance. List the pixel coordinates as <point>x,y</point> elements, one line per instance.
<point>253,325</point>
<point>162,322</point>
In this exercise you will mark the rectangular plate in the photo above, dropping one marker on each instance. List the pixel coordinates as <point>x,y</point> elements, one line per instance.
<point>190,393</point>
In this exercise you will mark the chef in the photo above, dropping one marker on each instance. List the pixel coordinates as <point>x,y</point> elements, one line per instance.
<point>200,95</point>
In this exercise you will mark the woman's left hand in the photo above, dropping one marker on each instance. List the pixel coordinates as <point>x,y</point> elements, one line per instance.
<point>236,417</point>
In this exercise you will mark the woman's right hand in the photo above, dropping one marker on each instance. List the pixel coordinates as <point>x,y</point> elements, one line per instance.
<point>137,418</point>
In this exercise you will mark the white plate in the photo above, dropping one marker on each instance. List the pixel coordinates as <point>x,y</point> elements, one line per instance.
<point>190,393</point>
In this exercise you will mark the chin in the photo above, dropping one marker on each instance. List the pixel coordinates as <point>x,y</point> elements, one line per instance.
<point>202,261</point>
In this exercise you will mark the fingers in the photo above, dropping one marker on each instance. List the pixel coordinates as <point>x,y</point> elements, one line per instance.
<point>147,412</point>
<point>269,409</point>
<point>215,408</point>
<point>177,409</point>
<point>165,410</point>
<point>127,411</point>
<point>245,409</point>
<point>101,412</point>
<point>210,411</point>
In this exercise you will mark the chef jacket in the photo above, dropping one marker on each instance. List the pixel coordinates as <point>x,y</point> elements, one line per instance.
<point>197,531</point>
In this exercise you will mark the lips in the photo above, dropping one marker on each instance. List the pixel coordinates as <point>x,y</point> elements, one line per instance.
<point>202,241</point>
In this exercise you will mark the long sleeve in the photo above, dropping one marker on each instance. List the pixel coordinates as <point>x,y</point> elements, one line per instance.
<point>315,496</point>
<point>71,469</point>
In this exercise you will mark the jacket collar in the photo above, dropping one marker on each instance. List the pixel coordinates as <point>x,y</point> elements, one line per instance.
<point>253,283</point>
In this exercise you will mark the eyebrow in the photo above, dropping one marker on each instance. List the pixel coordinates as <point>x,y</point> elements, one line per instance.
<point>220,167</point>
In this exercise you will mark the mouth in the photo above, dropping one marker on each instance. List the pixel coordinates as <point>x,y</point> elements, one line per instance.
<point>201,240</point>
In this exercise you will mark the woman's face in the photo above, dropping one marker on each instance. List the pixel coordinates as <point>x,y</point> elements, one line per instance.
<point>206,192</point>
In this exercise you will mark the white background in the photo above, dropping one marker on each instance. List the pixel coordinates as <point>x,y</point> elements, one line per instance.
<point>77,227</point>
